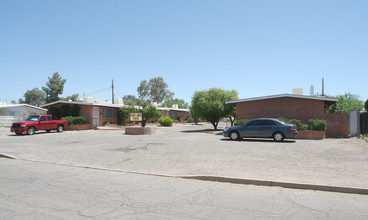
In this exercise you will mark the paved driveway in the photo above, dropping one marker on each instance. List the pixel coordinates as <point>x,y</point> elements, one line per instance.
<point>194,150</point>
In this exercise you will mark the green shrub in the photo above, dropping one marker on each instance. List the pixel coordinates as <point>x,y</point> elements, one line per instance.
<point>317,124</point>
<point>75,120</point>
<point>298,124</point>
<point>165,121</point>
<point>240,122</point>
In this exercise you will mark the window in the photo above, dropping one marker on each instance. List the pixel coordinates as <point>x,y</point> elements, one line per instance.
<point>43,118</point>
<point>268,122</point>
<point>109,113</point>
<point>49,118</point>
<point>254,123</point>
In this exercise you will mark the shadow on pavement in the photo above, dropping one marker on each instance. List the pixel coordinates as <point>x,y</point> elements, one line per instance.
<point>259,140</point>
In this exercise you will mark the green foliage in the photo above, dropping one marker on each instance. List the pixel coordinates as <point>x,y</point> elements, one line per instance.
<point>149,111</point>
<point>210,104</point>
<point>130,100</point>
<point>34,97</point>
<point>317,124</point>
<point>54,88</point>
<point>165,121</point>
<point>154,91</point>
<point>63,111</point>
<point>123,114</point>
<point>73,97</point>
<point>75,120</point>
<point>180,102</point>
<point>109,123</point>
<point>298,124</point>
<point>314,124</point>
<point>240,122</point>
<point>346,103</point>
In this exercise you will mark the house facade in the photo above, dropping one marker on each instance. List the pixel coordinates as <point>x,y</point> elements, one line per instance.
<point>293,106</point>
<point>18,112</point>
<point>97,114</point>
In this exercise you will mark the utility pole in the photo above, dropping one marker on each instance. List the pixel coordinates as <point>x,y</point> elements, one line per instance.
<point>323,87</point>
<point>113,98</point>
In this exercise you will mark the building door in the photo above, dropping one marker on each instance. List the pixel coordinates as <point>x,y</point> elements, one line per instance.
<point>96,117</point>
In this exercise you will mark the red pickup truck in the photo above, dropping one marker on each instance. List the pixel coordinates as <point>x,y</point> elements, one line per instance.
<point>38,122</point>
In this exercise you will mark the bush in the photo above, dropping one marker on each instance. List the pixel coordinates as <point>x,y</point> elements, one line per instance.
<point>298,124</point>
<point>75,120</point>
<point>165,121</point>
<point>240,122</point>
<point>317,124</point>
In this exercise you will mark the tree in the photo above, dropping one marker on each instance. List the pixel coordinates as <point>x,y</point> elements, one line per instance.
<point>54,88</point>
<point>180,102</point>
<point>130,100</point>
<point>73,97</point>
<point>346,103</point>
<point>154,91</point>
<point>149,111</point>
<point>123,114</point>
<point>366,105</point>
<point>34,97</point>
<point>210,104</point>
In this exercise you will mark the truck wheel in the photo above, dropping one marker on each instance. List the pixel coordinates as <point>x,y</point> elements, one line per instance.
<point>60,128</point>
<point>31,130</point>
<point>48,131</point>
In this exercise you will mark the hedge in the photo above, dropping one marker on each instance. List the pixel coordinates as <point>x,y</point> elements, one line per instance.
<point>75,120</point>
<point>240,122</point>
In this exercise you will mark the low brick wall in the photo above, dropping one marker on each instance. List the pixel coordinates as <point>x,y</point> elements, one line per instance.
<point>140,130</point>
<point>308,134</point>
<point>78,127</point>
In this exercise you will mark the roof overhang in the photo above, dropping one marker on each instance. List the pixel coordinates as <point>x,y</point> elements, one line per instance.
<point>328,101</point>
<point>20,105</point>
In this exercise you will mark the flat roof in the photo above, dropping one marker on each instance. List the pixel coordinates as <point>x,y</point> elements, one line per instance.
<point>321,98</point>
<point>20,105</point>
<point>108,105</point>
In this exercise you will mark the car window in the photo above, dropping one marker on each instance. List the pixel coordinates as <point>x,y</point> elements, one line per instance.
<point>43,118</point>
<point>254,123</point>
<point>268,122</point>
<point>48,118</point>
<point>32,118</point>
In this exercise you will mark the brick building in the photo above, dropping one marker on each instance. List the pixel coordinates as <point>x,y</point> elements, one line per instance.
<point>293,106</point>
<point>97,114</point>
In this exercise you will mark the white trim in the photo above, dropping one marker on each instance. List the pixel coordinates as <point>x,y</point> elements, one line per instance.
<point>283,96</point>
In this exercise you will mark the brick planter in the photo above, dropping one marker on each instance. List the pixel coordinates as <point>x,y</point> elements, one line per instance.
<point>78,127</point>
<point>140,130</point>
<point>308,134</point>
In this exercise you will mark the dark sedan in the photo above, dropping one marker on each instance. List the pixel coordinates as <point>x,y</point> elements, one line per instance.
<point>262,128</point>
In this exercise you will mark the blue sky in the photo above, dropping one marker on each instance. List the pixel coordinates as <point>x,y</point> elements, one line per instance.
<point>258,48</point>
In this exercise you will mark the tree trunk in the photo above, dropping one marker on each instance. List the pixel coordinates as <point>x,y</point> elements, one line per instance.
<point>232,120</point>
<point>144,123</point>
<point>214,123</point>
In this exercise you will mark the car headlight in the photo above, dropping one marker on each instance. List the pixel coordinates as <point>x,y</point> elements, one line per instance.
<point>23,126</point>
<point>226,129</point>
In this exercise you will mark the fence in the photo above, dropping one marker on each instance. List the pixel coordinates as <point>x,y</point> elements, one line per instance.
<point>364,123</point>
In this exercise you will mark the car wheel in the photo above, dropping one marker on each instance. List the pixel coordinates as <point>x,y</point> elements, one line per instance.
<point>31,130</point>
<point>278,136</point>
<point>48,131</point>
<point>60,128</point>
<point>234,135</point>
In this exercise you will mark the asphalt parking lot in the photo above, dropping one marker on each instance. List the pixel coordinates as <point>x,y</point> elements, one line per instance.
<point>197,151</point>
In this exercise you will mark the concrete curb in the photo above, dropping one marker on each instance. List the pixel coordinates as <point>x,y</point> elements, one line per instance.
<point>7,156</point>
<point>351,190</point>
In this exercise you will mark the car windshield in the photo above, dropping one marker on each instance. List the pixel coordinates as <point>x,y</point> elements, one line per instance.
<point>32,118</point>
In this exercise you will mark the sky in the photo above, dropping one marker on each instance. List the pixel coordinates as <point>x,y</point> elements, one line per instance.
<point>257,48</point>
